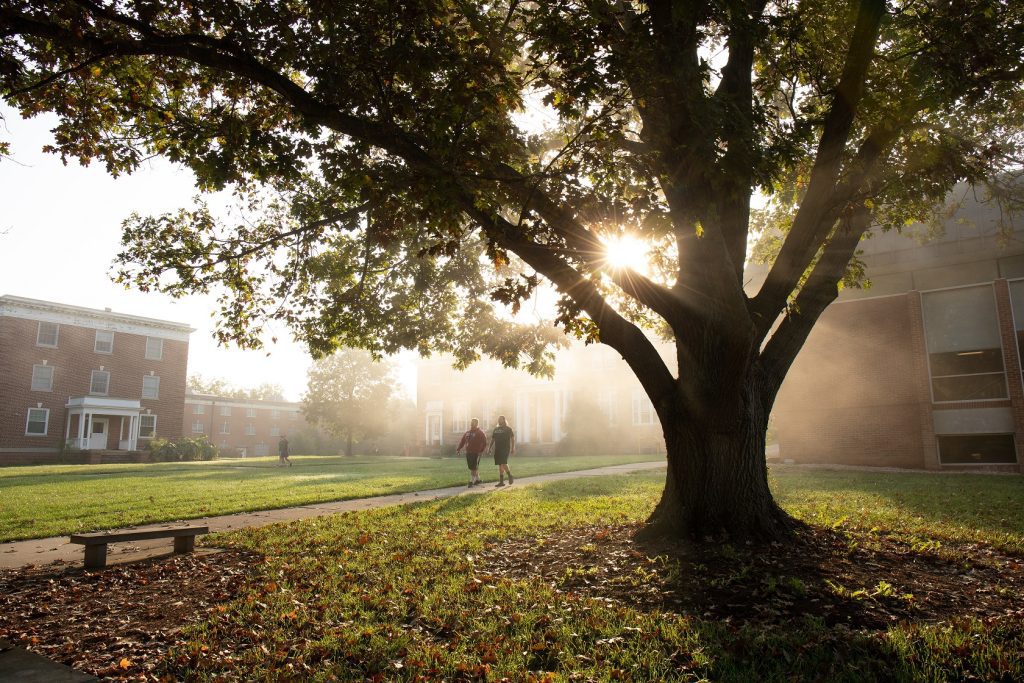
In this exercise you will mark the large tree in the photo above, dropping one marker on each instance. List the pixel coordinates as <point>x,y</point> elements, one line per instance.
<point>350,394</point>
<point>397,185</point>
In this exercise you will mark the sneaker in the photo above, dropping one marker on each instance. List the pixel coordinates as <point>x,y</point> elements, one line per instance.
<point>510,479</point>
<point>500,483</point>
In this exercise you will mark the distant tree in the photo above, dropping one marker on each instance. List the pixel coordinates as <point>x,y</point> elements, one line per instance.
<point>395,193</point>
<point>218,386</point>
<point>349,394</point>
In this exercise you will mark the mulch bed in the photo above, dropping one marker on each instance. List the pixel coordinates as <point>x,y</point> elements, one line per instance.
<point>119,622</point>
<point>862,580</point>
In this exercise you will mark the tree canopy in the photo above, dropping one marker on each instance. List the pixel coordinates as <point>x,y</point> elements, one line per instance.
<point>350,395</point>
<point>406,169</point>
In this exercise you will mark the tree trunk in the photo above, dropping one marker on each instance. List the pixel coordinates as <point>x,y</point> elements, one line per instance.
<point>717,481</point>
<point>348,445</point>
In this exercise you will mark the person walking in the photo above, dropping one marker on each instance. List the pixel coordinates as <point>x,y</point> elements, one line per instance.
<point>473,443</point>
<point>503,444</point>
<point>282,453</point>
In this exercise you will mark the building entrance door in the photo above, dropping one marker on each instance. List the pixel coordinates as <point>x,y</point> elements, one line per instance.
<point>98,434</point>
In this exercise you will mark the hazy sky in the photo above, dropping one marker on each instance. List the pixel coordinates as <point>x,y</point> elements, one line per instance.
<point>59,233</point>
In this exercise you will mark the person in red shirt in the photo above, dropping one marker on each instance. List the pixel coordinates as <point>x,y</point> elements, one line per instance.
<point>473,443</point>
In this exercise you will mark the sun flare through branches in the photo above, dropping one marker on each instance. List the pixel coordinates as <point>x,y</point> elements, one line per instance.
<point>627,252</point>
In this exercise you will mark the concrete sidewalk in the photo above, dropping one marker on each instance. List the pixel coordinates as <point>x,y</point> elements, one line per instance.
<point>42,551</point>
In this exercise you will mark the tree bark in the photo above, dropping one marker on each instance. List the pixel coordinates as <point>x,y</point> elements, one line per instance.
<point>717,481</point>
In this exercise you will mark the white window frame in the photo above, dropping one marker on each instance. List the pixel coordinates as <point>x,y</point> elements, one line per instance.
<point>198,409</point>
<point>225,411</point>
<point>49,384</point>
<point>225,427</point>
<point>155,391</point>
<point>460,417</point>
<point>92,383</point>
<point>643,409</point>
<point>198,428</point>
<point>250,429</point>
<point>159,353</point>
<point>275,414</point>
<point>96,343</point>
<point>250,412</point>
<point>142,423</point>
<point>46,421</point>
<point>275,431</point>
<point>56,335</point>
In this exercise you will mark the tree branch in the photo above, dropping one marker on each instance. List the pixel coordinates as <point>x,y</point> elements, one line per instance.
<point>809,230</point>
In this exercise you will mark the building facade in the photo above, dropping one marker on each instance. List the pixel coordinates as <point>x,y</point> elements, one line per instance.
<point>923,369</point>
<point>87,379</point>
<point>238,426</point>
<point>593,403</point>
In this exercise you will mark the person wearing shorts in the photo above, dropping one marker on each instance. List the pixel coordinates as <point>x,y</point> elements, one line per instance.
<point>503,443</point>
<point>473,444</point>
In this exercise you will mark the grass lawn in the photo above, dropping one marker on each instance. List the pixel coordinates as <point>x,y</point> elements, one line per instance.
<point>545,584</point>
<point>899,577</point>
<point>43,501</point>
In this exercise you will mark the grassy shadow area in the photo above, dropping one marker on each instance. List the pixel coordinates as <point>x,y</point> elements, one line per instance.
<point>50,500</point>
<point>546,582</point>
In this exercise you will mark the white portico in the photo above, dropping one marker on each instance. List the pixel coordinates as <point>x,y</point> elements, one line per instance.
<point>94,418</point>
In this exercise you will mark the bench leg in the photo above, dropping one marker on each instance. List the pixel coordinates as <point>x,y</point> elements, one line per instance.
<point>184,544</point>
<point>96,556</point>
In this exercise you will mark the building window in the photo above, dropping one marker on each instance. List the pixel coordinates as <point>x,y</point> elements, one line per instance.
<point>150,386</point>
<point>154,348</point>
<point>225,411</point>
<point>275,431</point>
<point>104,341</point>
<point>198,409</point>
<point>434,429</point>
<point>47,335</point>
<point>147,426</point>
<point>294,415</point>
<point>275,414</point>
<point>643,409</point>
<point>42,378</point>
<point>223,445</point>
<point>225,427</point>
<point>250,429</point>
<point>460,417</point>
<point>977,449</point>
<point>965,355</point>
<point>250,412</point>
<point>37,422</point>
<point>99,384</point>
<point>606,404</point>
<point>197,427</point>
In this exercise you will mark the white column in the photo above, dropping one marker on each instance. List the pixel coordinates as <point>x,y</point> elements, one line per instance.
<point>67,429</point>
<point>81,428</point>
<point>135,424</point>
<point>556,424</point>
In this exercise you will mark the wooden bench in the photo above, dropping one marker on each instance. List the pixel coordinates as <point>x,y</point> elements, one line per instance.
<point>96,543</point>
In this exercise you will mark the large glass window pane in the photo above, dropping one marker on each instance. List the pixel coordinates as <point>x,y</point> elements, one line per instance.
<point>977,449</point>
<point>964,350</point>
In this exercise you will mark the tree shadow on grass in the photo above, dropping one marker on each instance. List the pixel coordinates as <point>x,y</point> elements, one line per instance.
<point>820,604</point>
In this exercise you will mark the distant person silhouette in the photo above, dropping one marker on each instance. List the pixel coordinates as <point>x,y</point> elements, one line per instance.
<point>474,443</point>
<point>282,453</point>
<point>503,444</point>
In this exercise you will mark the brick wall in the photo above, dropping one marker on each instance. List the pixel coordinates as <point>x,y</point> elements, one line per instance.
<point>287,422</point>
<point>73,361</point>
<point>853,396</point>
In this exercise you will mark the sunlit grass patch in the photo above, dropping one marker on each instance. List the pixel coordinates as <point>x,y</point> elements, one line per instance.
<point>50,500</point>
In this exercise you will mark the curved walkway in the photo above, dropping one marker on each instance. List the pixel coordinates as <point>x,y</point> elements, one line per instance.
<point>40,551</point>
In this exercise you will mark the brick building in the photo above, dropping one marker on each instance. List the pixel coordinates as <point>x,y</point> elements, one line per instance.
<point>240,426</point>
<point>592,393</point>
<point>921,370</point>
<point>93,379</point>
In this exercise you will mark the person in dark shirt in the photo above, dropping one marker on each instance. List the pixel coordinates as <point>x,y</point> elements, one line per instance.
<point>503,443</point>
<point>474,443</point>
<point>283,453</point>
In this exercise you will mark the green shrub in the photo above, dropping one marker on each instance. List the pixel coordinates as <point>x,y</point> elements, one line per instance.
<point>183,450</point>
